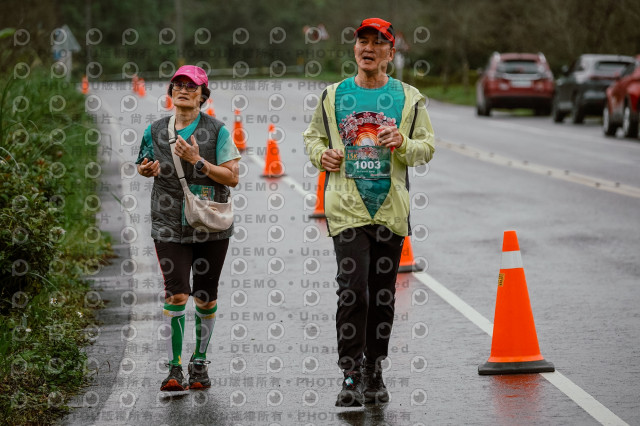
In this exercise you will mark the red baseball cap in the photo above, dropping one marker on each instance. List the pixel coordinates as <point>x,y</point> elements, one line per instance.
<point>195,74</point>
<point>383,27</point>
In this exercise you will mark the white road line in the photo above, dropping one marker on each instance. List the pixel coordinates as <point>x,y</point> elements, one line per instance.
<point>565,175</point>
<point>459,304</point>
<point>585,401</point>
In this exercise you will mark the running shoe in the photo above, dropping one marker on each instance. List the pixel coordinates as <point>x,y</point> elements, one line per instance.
<point>198,376</point>
<point>175,380</point>
<point>351,393</point>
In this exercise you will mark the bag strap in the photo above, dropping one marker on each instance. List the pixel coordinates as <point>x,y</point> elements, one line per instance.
<point>171,128</point>
<point>413,123</point>
<point>325,119</point>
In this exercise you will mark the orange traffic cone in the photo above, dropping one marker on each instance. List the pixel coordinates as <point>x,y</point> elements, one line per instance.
<point>407,263</point>
<point>318,212</point>
<point>85,85</point>
<point>273,167</point>
<point>239,135</point>
<point>142,90</point>
<point>168,102</point>
<point>210,110</point>
<point>514,346</point>
<point>134,83</point>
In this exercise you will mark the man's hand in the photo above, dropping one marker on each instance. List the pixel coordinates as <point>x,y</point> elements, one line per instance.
<point>190,153</point>
<point>331,160</point>
<point>390,137</point>
<point>148,168</point>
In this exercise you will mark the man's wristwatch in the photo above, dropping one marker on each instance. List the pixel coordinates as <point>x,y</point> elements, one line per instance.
<point>199,165</point>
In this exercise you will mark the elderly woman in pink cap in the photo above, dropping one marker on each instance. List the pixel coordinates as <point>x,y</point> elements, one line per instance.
<point>209,160</point>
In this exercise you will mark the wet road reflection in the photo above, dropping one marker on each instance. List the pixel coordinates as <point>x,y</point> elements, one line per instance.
<point>516,398</point>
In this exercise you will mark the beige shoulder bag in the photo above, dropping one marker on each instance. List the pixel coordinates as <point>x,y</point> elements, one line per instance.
<point>203,215</point>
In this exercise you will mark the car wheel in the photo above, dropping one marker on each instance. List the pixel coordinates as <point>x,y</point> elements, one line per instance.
<point>558,116</point>
<point>487,107</point>
<point>577,110</point>
<point>608,127</point>
<point>480,105</point>
<point>629,122</point>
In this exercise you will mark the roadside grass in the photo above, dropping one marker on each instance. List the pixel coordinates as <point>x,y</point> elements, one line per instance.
<point>48,242</point>
<point>453,94</point>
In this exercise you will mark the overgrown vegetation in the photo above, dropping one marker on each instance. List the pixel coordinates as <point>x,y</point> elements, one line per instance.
<point>48,242</point>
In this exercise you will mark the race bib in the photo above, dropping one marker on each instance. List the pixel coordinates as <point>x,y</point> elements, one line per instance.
<point>367,162</point>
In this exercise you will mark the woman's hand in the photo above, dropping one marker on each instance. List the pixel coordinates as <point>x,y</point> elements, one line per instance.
<point>149,168</point>
<point>390,137</point>
<point>190,153</point>
<point>331,160</point>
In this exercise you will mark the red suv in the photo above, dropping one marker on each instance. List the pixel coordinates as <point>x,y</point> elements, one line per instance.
<point>623,103</point>
<point>515,80</point>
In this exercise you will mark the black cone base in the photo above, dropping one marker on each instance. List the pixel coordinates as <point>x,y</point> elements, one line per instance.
<point>527,367</point>
<point>410,268</point>
<point>317,216</point>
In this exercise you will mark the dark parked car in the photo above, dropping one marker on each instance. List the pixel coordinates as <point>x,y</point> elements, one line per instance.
<point>623,103</point>
<point>581,89</point>
<point>515,80</point>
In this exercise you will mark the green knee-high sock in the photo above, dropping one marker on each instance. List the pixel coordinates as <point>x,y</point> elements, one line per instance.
<point>205,320</point>
<point>174,316</point>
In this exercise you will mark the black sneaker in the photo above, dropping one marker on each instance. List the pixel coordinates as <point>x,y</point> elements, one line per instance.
<point>175,381</point>
<point>351,393</point>
<point>374,389</point>
<point>198,377</point>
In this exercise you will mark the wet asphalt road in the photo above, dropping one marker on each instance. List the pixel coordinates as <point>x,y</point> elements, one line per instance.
<point>273,350</point>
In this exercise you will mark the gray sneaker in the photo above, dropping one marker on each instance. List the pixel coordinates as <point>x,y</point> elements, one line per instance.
<point>198,376</point>
<point>174,381</point>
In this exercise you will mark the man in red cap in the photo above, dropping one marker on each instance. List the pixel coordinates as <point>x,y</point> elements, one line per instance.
<point>365,133</point>
<point>209,160</point>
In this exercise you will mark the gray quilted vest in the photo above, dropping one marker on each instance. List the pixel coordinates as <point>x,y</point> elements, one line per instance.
<point>167,195</point>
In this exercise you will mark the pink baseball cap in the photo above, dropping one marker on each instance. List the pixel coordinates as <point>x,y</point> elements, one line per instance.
<point>195,74</point>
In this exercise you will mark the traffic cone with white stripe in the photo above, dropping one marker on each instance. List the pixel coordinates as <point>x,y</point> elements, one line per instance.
<point>514,346</point>
<point>273,167</point>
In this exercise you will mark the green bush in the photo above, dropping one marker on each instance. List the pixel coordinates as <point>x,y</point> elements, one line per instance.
<point>43,249</point>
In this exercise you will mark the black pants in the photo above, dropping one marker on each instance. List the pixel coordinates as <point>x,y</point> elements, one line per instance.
<point>368,259</point>
<point>206,259</point>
